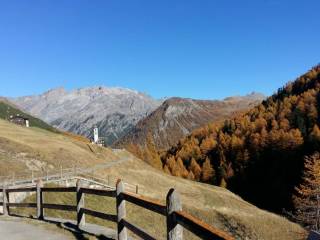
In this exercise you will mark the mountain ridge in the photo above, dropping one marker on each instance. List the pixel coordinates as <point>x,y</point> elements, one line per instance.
<point>177,117</point>
<point>113,109</point>
<point>258,154</point>
<point>8,109</point>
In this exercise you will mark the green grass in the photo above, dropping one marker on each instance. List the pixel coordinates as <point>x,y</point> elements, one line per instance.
<point>6,110</point>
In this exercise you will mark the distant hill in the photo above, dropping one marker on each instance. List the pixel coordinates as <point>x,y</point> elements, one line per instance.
<point>114,110</point>
<point>7,109</point>
<point>260,154</point>
<point>178,117</point>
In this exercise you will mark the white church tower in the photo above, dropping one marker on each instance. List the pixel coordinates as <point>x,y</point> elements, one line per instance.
<point>95,134</point>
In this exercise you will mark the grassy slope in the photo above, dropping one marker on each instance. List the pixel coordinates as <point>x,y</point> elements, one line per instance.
<point>23,149</point>
<point>7,109</point>
<point>215,205</point>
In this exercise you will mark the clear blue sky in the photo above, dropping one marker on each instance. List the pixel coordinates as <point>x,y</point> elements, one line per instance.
<point>189,48</point>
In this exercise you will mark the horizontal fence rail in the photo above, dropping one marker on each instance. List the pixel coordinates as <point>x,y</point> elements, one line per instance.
<point>24,205</point>
<point>199,228</point>
<point>63,207</point>
<point>99,192</point>
<point>146,203</point>
<point>176,218</point>
<point>22,190</point>
<point>60,174</point>
<point>105,216</point>
<point>137,231</point>
<point>59,189</point>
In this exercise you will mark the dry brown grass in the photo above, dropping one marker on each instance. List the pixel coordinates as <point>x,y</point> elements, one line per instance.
<point>217,206</point>
<point>76,137</point>
<point>33,148</point>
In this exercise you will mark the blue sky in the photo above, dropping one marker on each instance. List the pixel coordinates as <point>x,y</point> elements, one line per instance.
<point>206,49</point>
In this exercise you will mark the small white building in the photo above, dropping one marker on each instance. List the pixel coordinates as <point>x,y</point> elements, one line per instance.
<point>95,134</point>
<point>96,139</point>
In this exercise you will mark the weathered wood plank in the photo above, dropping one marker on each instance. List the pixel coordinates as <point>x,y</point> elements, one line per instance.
<point>99,192</point>
<point>59,189</point>
<point>69,208</point>
<point>137,231</point>
<point>200,228</point>
<point>121,211</point>
<point>29,189</point>
<point>105,216</point>
<point>39,197</point>
<point>144,202</point>
<point>24,205</point>
<point>5,201</point>
<point>81,220</point>
<point>174,230</point>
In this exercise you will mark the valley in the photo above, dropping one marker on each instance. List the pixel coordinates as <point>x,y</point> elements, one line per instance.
<point>201,148</point>
<point>169,120</point>
<point>217,206</point>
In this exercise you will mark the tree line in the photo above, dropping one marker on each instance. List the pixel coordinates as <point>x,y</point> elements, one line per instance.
<point>261,154</point>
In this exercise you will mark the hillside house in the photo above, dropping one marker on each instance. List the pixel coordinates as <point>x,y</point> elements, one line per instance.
<point>20,120</point>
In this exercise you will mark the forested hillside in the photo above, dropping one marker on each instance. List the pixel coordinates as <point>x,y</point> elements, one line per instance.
<point>177,118</point>
<point>260,154</point>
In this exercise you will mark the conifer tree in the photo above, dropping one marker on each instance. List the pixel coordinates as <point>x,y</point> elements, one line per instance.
<point>307,197</point>
<point>207,171</point>
<point>315,136</point>
<point>195,169</point>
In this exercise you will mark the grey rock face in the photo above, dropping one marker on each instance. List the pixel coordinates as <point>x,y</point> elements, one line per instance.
<point>178,117</point>
<point>114,110</point>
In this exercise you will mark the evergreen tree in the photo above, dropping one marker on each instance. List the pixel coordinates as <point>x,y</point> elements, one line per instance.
<point>207,171</point>
<point>307,197</point>
<point>195,169</point>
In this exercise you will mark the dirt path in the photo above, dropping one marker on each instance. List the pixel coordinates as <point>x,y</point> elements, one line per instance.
<point>20,229</point>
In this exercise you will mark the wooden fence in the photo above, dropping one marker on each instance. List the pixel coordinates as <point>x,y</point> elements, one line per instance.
<point>176,218</point>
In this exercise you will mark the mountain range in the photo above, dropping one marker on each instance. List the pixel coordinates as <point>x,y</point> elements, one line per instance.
<point>176,118</point>
<point>256,147</point>
<point>113,110</point>
<point>120,113</point>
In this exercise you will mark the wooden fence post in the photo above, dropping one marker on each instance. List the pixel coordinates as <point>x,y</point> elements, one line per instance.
<point>174,230</point>
<point>5,201</point>
<point>121,211</point>
<point>80,205</point>
<point>39,200</point>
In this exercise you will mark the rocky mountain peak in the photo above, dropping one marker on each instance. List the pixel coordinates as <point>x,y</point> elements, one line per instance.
<point>114,110</point>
